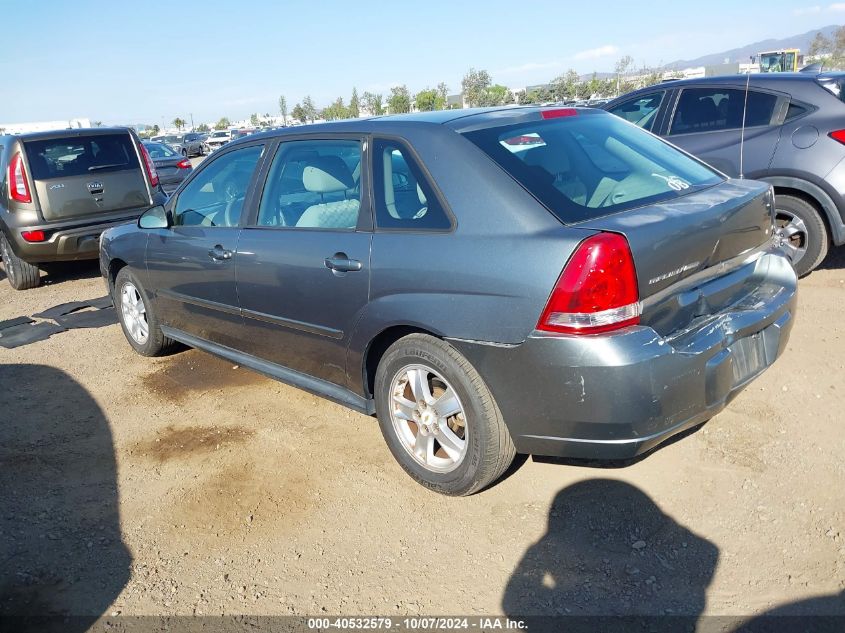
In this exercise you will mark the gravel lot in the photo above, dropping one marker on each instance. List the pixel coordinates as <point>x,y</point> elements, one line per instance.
<point>184,485</point>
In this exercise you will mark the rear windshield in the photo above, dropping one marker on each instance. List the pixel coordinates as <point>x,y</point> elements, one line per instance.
<point>586,166</point>
<point>81,155</point>
<point>160,150</point>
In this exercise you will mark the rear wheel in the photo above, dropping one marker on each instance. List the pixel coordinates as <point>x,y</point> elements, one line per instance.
<point>185,152</point>
<point>21,275</point>
<point>802,231</point>
<point>438,417</point>
<point>136,316</point>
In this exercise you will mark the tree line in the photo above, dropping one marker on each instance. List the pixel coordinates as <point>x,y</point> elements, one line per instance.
<point>477,90</point>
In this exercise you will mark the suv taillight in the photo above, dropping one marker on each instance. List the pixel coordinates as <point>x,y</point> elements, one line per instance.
<point>597,290</point>
<point>18,185</point>
<point>838,135</point>
<point>148,163</point>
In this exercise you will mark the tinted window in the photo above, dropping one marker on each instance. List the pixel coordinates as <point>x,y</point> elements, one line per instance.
<point>713,109</point>
<point>81,155</point>
<point>794,111</point>
<point>313,184</point>
<point>216,195</point>
<point>641,111</point>
<point>590,165</point>
<point>160,150</point>
<point>404,197</point>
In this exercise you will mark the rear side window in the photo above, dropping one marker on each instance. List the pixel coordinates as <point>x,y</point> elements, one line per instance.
<point>794,111</point>
<point>714,109</point>
<point>590,165</point>
<point>404,197</point>
<point>81,156</point>
<point>641,111</point>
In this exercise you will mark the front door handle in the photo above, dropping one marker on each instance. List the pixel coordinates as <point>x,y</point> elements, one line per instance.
<point>340,263</point>
<point>218,253</point>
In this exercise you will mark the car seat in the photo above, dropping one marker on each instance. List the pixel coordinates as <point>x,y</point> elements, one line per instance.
<point>329,175</point>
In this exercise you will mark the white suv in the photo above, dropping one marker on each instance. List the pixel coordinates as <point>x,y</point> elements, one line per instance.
<point>217,139</point>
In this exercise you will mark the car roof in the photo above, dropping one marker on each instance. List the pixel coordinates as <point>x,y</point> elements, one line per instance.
<point>458,120</point>
<point>70,133</point>
<point>754,79</point>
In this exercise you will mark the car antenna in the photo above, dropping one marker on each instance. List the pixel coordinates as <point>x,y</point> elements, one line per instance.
<point>742,130</point>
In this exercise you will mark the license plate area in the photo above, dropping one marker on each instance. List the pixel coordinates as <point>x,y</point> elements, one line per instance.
<point>749,358</point>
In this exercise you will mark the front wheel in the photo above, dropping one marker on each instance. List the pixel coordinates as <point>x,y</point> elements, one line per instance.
<point>438,417</point>
<point>136,316</point>
<point>802,232</point>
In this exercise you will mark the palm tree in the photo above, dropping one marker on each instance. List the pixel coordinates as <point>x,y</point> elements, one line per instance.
<point>178,123</point>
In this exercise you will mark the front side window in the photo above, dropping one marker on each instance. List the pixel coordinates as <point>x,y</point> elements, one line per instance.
<point>313,185</point>
<point>714,109</point>
<point>404,197</point>
<point>641,111</point>
<point>592,164</point>
<point>215,196</point>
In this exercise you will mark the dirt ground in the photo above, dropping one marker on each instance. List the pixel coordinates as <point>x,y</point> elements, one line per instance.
<point>184,485</point>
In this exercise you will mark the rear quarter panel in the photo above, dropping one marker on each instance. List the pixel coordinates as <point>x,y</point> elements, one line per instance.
<point>488,279</point>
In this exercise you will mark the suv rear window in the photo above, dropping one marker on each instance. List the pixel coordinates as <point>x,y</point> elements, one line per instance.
<point>591,165</point>
<point>81,155</point>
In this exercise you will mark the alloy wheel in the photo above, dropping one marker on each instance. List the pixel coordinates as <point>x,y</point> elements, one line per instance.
<point>428,418</point>
<point>134,313</point>
<point>793,234</point>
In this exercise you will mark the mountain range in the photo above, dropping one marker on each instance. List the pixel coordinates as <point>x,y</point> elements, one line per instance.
<point>744,53</point>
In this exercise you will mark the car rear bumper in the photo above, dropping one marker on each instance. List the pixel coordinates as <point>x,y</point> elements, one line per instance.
<point>64,243</point>
<point>616,396</point>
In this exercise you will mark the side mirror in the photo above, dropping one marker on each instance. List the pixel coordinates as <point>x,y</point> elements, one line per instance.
<point>155,218</point>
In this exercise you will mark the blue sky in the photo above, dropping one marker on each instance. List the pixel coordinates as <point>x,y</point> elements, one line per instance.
<point>132,62</point>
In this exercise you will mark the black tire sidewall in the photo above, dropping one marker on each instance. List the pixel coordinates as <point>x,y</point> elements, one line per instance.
<point>21,275</point>
<point>817,237</point>
<point>464,478</point>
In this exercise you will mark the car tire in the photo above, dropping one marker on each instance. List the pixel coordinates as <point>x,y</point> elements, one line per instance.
<point>804,232</point>
<point>447,467</point>
<point>21,275</point>
<point>185,152</point>
<point>127,293</point>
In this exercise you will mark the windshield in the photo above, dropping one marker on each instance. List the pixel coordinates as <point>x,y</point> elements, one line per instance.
<point>219,134</point>
<point>159,150</point>
<point>590,165</point>
<point>81,155</point>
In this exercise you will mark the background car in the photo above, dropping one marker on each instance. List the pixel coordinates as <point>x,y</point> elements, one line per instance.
<point>794,139</point>
<point>481,296</point>
<point>217,139</point>
<point>186,144</point>
<point>172,167</point>
<point>60,190</point>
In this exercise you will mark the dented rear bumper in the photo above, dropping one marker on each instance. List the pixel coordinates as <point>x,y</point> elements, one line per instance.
<point>615,396</point>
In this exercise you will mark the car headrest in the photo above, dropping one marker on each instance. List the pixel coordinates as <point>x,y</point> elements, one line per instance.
<point>553,161</point>
<point>327,174</point>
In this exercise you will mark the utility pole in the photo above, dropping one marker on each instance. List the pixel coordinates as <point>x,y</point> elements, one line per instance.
<point>192,121</point>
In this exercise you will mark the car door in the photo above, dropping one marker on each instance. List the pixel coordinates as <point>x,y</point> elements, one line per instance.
<point>191,264</point>
<point>303,259</point>
<point>708,123</point>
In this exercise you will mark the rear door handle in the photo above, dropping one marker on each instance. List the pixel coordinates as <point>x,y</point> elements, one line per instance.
<point>218,253</point>
<point>340,262</point>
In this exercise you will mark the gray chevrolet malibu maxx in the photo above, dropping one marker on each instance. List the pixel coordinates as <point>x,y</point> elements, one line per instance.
<point>487,282</point>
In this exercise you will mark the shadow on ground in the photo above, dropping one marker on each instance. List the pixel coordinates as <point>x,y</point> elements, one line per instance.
<point>62,272</point>
<point>61,552</point>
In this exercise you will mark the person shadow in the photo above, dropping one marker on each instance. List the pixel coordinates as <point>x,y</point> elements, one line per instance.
<point>62,558</point>
<point>611,560</point>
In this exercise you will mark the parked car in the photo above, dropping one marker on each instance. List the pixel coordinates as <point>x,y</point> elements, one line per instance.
<point>588,295</point>
<point>793,139</point>
<point>186,144</point>
<point>217,139</point>
<point>172,167</point>
<point>60,190</point>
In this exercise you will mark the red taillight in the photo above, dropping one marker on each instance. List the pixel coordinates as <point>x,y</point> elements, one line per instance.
<point>184,164</point>
<point>838,135</point>
<point>34,236</point>
<point>558,112</point>
<point>597,290</point>
<point>151,168</point>
<point>18,186</point>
